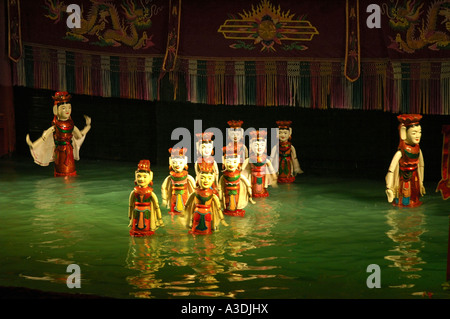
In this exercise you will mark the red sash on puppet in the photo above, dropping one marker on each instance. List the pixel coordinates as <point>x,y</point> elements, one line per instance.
<point>232,190</point>
<point>141,225</point>
<point>258,175</point>
<point>285,159</point>
<point>202,215</point>
<point>443,185</point>
<point>64,159</point>
<point>179,191</point>
<point>409,185</point>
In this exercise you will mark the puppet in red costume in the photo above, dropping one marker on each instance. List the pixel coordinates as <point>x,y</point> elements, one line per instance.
<point>285,155</point>
<point>404,180</point>
<point>63,148</point>
<point>235,189</point>
<point>258,168</point>
<point>144,212</point>
<point>177,187</point>
<point>203,213</point>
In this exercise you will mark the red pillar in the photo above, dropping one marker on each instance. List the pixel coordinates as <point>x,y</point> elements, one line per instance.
<point>7,125</point>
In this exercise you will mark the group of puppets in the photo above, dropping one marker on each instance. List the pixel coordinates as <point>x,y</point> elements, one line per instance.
<point>202,201</point>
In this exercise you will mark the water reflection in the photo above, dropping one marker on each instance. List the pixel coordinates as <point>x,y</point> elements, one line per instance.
<point>407,225</point>
<point>52,226</point>
<point>144,254</point>
<point>180,264</point>
<point>55,211</point>
<point>53,192</point>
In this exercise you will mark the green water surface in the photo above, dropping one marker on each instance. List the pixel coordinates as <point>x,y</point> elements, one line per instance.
<point>312,239</point>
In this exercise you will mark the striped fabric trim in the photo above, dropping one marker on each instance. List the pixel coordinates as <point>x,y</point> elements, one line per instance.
<point>398,87</point>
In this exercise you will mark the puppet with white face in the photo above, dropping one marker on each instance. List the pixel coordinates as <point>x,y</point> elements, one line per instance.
<point>285,154</point>
<point>258,168</point>
<point>177,187</point>
<point>235,190</point>
<point>144,212</point>
<point>205,152</point>
<point>203,213</point>
<point>404,180</point>
<point>61,142</point>
<point>235,134</point>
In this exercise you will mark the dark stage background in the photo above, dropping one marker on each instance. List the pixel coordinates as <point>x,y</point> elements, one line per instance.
<point>336,142</point>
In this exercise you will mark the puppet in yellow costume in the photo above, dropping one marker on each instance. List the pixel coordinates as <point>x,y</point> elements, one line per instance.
<point>144,212</point>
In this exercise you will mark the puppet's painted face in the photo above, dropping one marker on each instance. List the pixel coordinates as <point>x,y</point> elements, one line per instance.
<point>259,147</point>
<point>206,180</point>
<point>284,135</point>
<point>206,149</point>
<point>63,112</point>
<point>143,179</point>
<point>235,135</point>
<point>232,163</point>
<point>178,163</point>
<point>413,135</point>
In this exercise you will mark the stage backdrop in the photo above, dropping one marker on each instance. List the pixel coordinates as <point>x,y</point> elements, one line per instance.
<point>310,53</point>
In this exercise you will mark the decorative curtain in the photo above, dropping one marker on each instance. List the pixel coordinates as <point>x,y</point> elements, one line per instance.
<point>78,72</point>
<point>312,54</point>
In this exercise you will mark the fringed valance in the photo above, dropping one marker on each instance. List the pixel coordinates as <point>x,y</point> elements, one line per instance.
<point>83,73</point>
<point>409,87</point>
<point>419,87</point>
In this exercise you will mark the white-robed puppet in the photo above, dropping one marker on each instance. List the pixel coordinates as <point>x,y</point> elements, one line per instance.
<point>235,190</point>
<point>61,142</point>
<point>177,187</point>
<point>258,168</point>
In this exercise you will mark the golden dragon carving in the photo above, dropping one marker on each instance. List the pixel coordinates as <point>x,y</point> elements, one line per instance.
<point>105,23</point>
<point>420,25</point>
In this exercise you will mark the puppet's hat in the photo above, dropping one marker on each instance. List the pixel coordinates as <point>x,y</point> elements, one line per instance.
<point>61,97</point>
<point>284,124</point>
<point>206,167</point>
<point>230,151</point>
<point>235,124</point>
<point>258,135</point>
<point>409,119</point>
<point>144,165</point>
<point>205,137</point>
<point>178,151</point>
